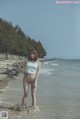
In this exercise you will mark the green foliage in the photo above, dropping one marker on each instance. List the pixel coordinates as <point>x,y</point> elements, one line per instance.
<point>14,41</point>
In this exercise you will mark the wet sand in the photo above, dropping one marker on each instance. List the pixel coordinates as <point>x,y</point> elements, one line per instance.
<point>10,100</point>
<point>49,106</point>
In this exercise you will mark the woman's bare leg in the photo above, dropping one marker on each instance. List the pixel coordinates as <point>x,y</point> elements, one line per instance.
<point>33,92</point>
<point>26,88</point>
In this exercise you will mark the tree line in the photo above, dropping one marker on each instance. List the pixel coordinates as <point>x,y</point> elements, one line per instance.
<point>14,41</point>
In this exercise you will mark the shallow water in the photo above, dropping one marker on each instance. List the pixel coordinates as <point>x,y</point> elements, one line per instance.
<point>58,92</point>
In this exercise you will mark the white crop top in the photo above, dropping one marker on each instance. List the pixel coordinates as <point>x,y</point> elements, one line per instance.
<point>31,67</point>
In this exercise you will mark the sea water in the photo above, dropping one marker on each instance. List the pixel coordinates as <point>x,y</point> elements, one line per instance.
<point>61,89</point>
<point>58,91</point>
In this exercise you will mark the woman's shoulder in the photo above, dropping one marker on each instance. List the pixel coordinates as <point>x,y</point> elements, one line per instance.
<point>38,62</point>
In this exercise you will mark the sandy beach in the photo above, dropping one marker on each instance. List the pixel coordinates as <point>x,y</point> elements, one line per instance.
<point>11,92</point>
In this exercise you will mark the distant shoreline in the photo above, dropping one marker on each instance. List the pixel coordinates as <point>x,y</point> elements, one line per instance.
<point>52,59</point>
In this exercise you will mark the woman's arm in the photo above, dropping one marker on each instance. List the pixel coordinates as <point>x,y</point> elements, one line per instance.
<point>38,71</point>
<point>22,65</point>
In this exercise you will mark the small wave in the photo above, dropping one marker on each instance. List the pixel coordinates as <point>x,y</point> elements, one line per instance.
<point>46,71</point>
<point>5,102</point>
<point>9,89</point>
<point>14,89</point>
<point>8,103</point>
<point>45,63</point>
<point>54,64</point>
<point>3,90</point>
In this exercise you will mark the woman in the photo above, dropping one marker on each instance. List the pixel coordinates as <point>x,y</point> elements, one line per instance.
<point>31,74</point>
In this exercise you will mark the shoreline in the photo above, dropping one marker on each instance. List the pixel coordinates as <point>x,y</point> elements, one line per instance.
<point>58,95</point>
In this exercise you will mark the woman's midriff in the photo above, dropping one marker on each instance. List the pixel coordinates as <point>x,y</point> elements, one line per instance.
<point>29,77</point>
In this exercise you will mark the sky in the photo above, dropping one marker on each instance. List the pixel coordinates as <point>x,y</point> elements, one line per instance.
<point>57,26</point>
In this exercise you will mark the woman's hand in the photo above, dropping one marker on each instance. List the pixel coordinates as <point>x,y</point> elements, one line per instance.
<point>38,71</point>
